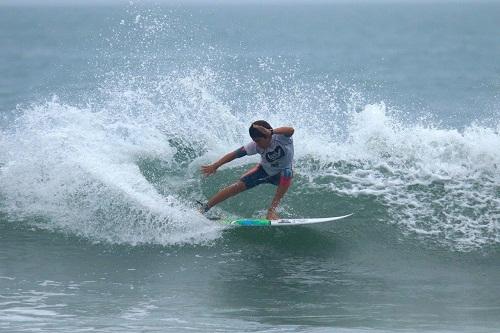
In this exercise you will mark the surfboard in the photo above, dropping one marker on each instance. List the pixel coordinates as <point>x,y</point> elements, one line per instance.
<point>279,223</point>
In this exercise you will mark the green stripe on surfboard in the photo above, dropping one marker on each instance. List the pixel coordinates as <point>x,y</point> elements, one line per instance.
<point>248,222</point>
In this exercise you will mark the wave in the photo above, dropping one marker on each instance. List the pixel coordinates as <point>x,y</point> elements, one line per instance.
<point>122,164</point>
<point>124,169</point>
<point>440,184</point>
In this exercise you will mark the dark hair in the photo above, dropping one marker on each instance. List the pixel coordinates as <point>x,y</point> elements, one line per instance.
<point>255,133</point>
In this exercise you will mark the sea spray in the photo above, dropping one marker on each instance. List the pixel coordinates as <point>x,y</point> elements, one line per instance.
<point>76,169</point>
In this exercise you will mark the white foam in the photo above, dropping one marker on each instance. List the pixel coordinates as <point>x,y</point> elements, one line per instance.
<point>76,167</point>
<point>434,181</point>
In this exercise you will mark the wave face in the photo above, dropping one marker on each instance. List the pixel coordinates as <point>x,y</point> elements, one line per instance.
<point>121,164</point>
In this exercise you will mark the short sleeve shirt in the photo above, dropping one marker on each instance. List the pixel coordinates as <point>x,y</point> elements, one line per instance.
<point>277,157</point>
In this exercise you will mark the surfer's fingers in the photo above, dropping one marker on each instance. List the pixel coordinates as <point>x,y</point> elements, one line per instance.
<point>204,169</point>
<point>208,170</point>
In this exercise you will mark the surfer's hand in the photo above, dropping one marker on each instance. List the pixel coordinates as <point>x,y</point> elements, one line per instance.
<point>209,169</point>
<point>271,215</point>
<point>263,130</point>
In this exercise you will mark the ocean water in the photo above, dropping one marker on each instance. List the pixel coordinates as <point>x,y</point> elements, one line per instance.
<point>107,113</point>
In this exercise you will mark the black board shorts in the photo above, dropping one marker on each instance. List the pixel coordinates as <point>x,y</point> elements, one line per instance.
<point>257,176</point>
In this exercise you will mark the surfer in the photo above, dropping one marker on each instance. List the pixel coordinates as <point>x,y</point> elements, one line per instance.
<point>275,147</point>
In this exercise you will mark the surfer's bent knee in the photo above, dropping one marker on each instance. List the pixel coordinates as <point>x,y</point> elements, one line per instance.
<point>241,185</point>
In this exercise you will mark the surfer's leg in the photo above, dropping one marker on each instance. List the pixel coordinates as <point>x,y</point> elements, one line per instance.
<point>225,193</point>
<point>251,178</point>
<point>283,181</point>
<point>255,176</point>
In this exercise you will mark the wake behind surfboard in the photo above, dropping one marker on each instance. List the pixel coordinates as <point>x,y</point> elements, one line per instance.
<point>280,222</point>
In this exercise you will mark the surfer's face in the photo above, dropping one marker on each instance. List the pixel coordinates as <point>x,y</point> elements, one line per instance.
<point>263,143</point>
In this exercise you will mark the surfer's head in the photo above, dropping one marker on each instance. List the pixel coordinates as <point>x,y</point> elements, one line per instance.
<point>261,139</point>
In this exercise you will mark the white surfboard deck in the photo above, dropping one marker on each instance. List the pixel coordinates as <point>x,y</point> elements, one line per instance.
<point>279,223</point>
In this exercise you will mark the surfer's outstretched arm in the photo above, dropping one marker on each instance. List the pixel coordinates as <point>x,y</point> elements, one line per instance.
<point>210,169</point>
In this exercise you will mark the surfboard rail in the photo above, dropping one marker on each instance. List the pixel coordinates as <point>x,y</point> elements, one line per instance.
<point>250,222</point>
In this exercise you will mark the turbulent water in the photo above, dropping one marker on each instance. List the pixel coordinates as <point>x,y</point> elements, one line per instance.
<point>109,112</point>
